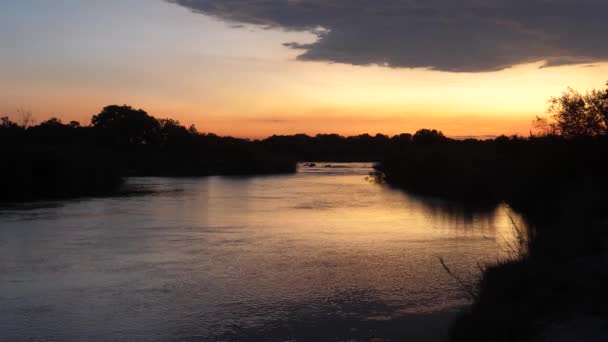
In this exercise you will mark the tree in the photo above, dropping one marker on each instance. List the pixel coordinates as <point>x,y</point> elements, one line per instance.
<point>192,130</point>
<point>427,137</point>
<point>51,123</point>
<point>172,132</point>
<point>575,114</point>
<point>6,123</point>
<point>127,125</point>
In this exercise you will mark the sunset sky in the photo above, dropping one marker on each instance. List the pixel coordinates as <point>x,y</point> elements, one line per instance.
<point>253,68</point>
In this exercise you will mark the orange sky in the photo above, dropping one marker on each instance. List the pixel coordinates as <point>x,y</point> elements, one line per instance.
<point>243,82</point>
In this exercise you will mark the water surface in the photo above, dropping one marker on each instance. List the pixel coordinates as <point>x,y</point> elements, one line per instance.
<point>324,254</point>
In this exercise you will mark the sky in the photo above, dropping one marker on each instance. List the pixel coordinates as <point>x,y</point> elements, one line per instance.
<point>253,68</point>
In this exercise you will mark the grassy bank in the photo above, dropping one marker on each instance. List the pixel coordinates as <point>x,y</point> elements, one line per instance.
<point>562,277</point>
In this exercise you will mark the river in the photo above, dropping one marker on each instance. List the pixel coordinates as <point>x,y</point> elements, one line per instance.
<point>323,254</point>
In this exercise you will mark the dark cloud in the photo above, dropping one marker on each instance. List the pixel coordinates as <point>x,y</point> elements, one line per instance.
<point>449,35</point>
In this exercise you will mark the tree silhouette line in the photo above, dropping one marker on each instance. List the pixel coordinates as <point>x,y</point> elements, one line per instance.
<point>123,141</point>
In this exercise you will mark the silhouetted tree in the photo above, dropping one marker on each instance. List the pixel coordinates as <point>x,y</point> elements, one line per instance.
<point>126,125</point>
<point>403,138</point>
<point>427,137</point>
<point>192,129</point>
<point>52,122</point>
<point>172,133</point>
<point>575,114</point>
<point>10,132</point>
<point>6,123</point>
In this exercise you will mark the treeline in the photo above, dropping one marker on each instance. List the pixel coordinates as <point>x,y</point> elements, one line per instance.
<point>55,159</point>
<point>336,148</point>
<point>539,176</point>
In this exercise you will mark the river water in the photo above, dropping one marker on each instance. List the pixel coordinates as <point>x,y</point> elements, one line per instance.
<point>324,254</point>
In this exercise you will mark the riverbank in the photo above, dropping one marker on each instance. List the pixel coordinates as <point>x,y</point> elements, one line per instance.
<point>559,280</point>
<point>557,185</point>
<point>52,172</point>
<point>39,172</point>
<point>57,160</point>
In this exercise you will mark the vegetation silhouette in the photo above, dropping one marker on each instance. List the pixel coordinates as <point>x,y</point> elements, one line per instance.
<point>48,160</point>
<point>575,114</point>
<point>53,159</point>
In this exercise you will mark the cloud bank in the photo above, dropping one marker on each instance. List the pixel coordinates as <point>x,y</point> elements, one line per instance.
<point>446,35</point>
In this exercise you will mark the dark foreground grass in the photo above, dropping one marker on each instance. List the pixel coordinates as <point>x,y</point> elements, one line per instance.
<point>518,299</point>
